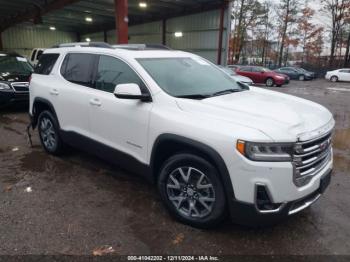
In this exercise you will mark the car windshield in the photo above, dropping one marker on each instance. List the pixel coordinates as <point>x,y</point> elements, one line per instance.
<point>14,65</point>
<point>189,77</point>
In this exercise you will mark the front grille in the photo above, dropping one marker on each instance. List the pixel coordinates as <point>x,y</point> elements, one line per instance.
<point>310,157</point>
<point>20,87</point>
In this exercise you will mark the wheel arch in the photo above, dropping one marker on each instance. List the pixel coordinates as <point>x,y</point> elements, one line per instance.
<point>39,105</point>
<point>167,145</point>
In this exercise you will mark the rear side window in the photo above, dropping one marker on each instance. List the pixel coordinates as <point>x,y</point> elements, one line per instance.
<point>46,64</point>
<point>78,68</point>
<point>257,69</point>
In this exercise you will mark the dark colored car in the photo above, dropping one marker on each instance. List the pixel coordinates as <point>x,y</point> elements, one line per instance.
<point>15,72</point>
<point>296,73</point>
<point>262,75</point>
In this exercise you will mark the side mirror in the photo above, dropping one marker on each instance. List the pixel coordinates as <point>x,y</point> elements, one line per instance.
<point>130,91</point>
<point>243,86</point>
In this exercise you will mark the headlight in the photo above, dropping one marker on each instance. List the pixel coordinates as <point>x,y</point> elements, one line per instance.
<point>5,87</point>
<point>266,152</point>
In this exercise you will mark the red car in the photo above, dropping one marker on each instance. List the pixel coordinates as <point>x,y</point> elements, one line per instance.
<point>262,75</point>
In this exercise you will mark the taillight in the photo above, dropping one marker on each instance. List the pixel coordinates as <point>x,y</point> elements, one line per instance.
<point>30,79</point>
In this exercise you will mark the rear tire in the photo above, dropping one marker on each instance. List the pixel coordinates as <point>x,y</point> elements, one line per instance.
<point>49,133</point>
<point>270,82</point>
<point>191,190</point>
<point>334,79</point>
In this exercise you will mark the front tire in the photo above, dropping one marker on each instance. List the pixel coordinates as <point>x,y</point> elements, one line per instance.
<point>301,78</point>
<point>49,133</point>
<point>334,79</point>
<point>270,82</point>
<point>191,190</point>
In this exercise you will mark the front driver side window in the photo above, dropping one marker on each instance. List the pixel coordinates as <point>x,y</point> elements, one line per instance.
<point>112,71</point>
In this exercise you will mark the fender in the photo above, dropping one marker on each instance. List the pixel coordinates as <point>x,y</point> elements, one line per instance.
<point>35,116</point>
<point>209,152</point>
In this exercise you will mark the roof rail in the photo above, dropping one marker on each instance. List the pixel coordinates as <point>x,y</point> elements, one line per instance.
<point>84,44</point>
<point>142,47</point>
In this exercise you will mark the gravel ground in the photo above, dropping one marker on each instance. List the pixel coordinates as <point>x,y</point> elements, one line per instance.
<point>76,204</point>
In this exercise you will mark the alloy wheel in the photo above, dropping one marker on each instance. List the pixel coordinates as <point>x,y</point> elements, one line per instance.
<point>191,192</point>
<point>269,82</point>
<point>48,134</point>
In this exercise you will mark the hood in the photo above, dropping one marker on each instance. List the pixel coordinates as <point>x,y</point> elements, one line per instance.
<point>282,75</point>
<point>274,74</point>
<point>281,117</point>
<point>12,77</point>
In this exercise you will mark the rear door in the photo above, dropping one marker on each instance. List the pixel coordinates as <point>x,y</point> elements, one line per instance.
<point>73,92</point>
<point>258,74</point>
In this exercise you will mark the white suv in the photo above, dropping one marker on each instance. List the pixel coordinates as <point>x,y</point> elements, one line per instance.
<point>212,146</point>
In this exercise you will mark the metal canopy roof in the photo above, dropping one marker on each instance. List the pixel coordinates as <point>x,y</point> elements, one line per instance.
<point>69,15</point>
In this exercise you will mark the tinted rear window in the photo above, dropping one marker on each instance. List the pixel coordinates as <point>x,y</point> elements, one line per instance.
<point>46,63</point>
<point>78,68</point>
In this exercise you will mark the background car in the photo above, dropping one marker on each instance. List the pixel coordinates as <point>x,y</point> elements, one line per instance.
<point>35,55</point>
<point>296,73</point>
<point>262,75</point>
<point>236,77</point>
<point>15,71</point>
<point>339,75</point>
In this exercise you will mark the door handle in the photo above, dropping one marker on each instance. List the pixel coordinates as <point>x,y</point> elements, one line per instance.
<point>95,102</point>
<point>54,92</point>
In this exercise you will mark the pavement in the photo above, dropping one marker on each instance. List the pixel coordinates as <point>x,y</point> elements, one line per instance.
<point>80,205</point>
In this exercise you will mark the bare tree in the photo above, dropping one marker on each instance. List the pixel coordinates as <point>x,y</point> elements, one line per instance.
<point>287,13</point>
<point>309,32</point>
<point>336,9</point>
<point>246,13</point>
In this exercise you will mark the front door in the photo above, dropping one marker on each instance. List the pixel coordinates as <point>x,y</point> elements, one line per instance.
<point>119,123</point>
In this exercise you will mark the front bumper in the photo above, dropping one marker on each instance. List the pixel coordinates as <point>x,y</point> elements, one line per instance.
<point>7,98</point>
<point>248,214</point>
<point>282,81</point>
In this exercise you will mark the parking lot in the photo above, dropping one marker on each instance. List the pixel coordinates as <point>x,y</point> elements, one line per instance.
<point>77,203</point>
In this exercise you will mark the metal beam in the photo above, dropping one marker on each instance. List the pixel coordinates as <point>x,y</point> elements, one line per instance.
<point>32,13</point>
<point>122,20</point>
<point>164,31</point>
<point>1,46</point>
<point>221,31</point>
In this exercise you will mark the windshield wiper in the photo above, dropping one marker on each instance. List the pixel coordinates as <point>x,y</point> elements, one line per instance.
<point>227,91</point>
<point>194,96</point>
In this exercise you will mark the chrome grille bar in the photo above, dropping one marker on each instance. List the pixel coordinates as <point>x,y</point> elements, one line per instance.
<point>310,157</point>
